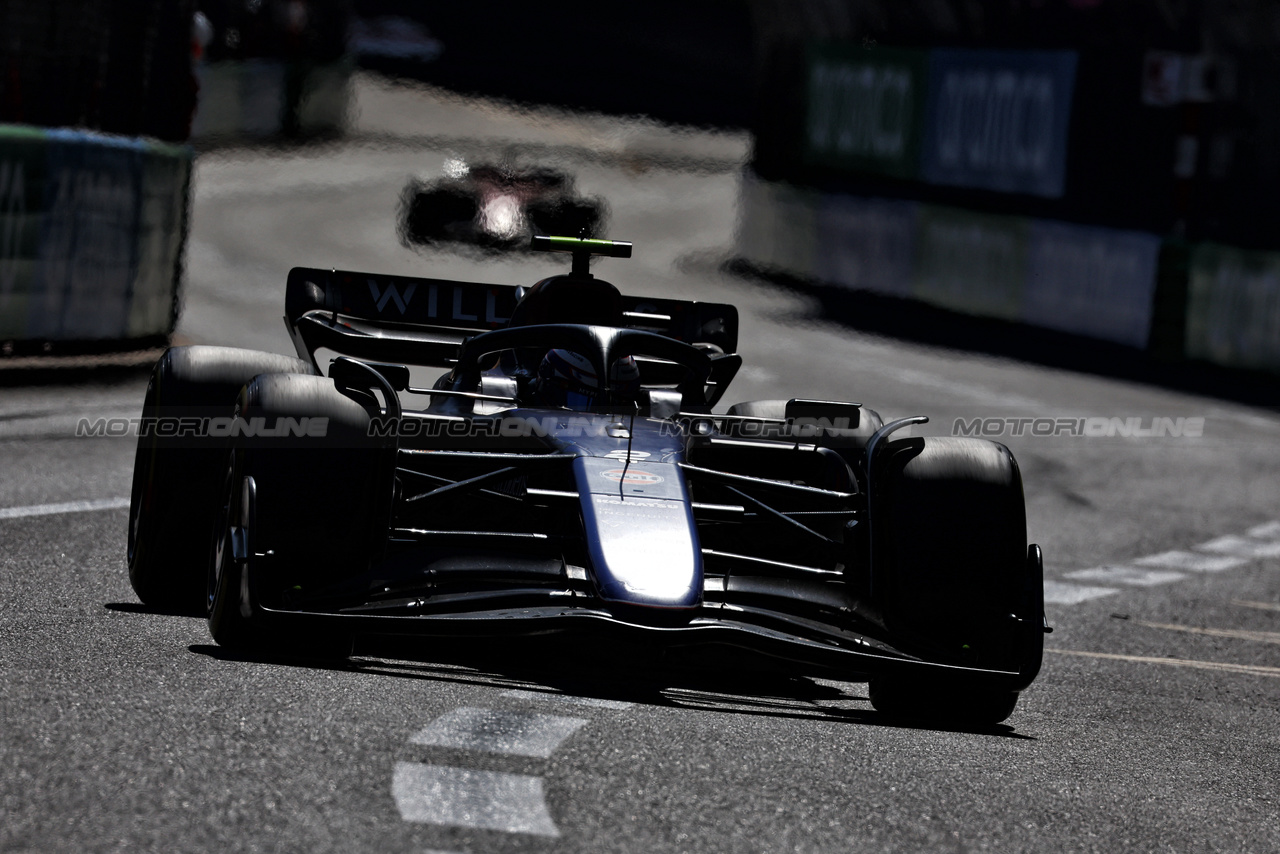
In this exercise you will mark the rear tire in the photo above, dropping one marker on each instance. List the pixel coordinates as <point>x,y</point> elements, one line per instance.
<point>430,215</point>
<point>176,479</point>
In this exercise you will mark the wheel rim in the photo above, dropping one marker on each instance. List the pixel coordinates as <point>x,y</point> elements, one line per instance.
<point>221,550</point>
<point>135,520</point>
<point>140,491</point>
<point>139,505</point>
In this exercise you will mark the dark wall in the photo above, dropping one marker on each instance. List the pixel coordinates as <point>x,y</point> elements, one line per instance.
<point>273,29</point>
<point>686,62</point>
<point>122,66</point>
<point>1121,151</point>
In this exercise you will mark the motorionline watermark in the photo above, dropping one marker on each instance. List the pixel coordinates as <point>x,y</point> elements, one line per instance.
<point>1093,427</point>
<point>569,426</point>
<point>192,427</point>
<point>383,427</point>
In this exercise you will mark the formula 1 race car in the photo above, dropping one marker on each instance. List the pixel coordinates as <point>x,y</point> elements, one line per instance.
<point>496,206</point>
<point>568,476</point>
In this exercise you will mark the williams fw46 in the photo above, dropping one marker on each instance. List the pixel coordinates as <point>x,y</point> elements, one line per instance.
<point>464,461</point>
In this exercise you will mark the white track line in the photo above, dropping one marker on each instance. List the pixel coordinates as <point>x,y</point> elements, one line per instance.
<point>487,800</point>
<point>1191,561</point>
<point>1262,606</point>
<point>461,797</point>
<point>1242,547</point>
<point>64,507</point>
<point>41,426</point>
<point>1269,531</point>
<point>1260,541</point>
<point>1248,669</point>
<point>1240,634</point>
<point>1126,575</point>
<point>1059,593</point>
<point>493,731</point>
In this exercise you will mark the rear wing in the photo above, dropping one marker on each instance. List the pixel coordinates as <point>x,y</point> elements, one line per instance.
<point>410,320</point>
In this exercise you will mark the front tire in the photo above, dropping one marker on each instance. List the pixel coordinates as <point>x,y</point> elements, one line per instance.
<point>233,623</point>
<point>308,508</point>
<point>229,611</point>
<point>954,578</point>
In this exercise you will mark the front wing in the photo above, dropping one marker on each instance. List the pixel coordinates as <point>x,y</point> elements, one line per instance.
<point>771,640</point>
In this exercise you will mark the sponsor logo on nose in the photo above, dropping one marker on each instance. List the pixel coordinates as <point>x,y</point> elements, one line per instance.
<point>632,476</point>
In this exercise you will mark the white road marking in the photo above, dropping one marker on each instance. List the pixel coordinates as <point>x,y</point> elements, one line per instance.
<point>1059,593</point>
<point>752,373</point>
<point>1239,634</point>
<point>64,507</point>
<point>1250,669</point>
<point>1242,547</point>
<point>1190,561</point>
<point>1260,541</point>
<point>1126,575</point>
<point>462,797</point>
<point>1269,531</point>
<point>1262,606</point>
<point>551,696</point>
<point>45,425</point>
<point>512,733</point>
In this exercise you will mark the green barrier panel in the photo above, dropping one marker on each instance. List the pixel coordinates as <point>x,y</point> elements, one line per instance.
<point>22,189</point>
<point>161,232</point>
<point>973,263</point>
<point>865,109</point>
<point>1233,307</point>
<point>1169,303</point>
<point>87,240</point>
<point>91,234</point>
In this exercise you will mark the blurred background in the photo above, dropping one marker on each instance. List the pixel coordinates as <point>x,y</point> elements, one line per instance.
<point>1100,170</point>
<point>1001,212</point>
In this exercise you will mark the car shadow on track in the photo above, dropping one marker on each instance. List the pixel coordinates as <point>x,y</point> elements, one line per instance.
<point>538,668</point>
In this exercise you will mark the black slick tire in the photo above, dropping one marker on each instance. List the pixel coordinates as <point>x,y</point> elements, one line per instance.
<point>953,577</point>
<point>176,472</point>
<point>312,507</point>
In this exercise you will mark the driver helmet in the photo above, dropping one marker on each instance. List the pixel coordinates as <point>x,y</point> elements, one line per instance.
<point>568,379</point>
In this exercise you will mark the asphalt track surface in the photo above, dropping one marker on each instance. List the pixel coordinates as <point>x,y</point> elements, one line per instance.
<point>1155,725</point>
